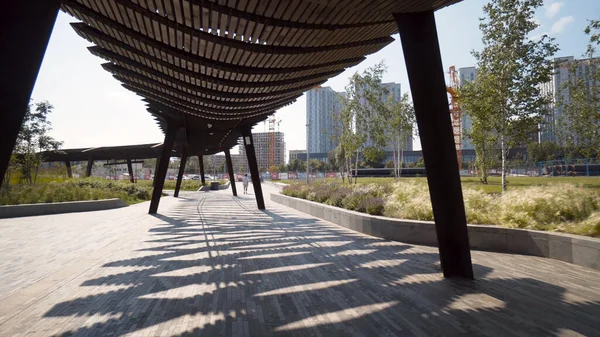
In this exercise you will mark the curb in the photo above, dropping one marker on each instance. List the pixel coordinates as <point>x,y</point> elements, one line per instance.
<point>580,250</point>
<point>15,211</point>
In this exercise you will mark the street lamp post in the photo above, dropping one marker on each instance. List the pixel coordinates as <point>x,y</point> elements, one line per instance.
<point>307,166</point>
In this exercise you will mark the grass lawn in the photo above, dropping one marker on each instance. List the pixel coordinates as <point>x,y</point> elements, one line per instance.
<point>494,183</point>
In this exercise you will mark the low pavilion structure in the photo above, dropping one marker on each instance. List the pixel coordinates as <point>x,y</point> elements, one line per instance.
<point>209,70</point>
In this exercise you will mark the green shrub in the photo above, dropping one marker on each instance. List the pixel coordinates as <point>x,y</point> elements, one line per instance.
<point>409,200</point>
<point>480,207</point>
<point>74,190</point>
<point>373,205</point>
<point>366,199</point>
<point>336,197</point>
<point>354,201</point>
<point>544,207</point>
<point>561,207</point>
<point>296,191</point>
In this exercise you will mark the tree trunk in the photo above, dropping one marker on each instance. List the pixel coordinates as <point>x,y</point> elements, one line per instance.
<point>401,161</point>
<point>502,148</point>
<point>347,162</point>
<point>356,168</point>
<point>395,165</point>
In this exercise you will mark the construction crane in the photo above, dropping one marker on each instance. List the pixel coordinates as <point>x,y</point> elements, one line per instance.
<point>456,114</point>
<point>273,122</point>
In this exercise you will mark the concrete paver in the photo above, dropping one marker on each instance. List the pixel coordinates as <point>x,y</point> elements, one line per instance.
<point>210,264</point>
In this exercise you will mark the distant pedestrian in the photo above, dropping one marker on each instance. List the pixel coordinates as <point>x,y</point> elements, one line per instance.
<point>245,183</point>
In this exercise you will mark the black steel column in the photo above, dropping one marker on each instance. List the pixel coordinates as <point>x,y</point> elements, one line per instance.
<point>230,170</point>
<point>201,164</point>
<point>163,166</point>
<point>88,169</point>
<point>426,77</point>
<point>181,171</point>
<point>253,166</point>
<point>130,170</point>
<point>25,28</point>
<point>69,169</point>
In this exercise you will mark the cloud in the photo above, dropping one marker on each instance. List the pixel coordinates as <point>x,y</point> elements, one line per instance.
<point>536,37</point>
<point>553,8</point>
<point>560,25</point>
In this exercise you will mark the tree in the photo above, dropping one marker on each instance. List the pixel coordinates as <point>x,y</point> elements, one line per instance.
<point>149,163</point>
<point>398,121</point>
<point>580,118</point>
<point>315,165</point>
<point>297,165</point>
<point>358,119</point>
<point>484,141</point>
<point>282,168</point>
<point>374,156</point>
<point>340,159</point>
<point>33,139</point>
<point>332,161</point>
<point>544,151</point>
<point>511,68</point>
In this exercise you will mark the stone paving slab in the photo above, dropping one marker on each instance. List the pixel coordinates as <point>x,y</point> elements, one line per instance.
<point>212,265</point>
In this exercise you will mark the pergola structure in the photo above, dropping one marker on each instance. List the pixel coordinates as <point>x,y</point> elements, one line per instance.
<point>209,70</point>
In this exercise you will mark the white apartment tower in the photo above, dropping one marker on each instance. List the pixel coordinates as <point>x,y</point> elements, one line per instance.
<point>556,88</point>
<point>395,91</point>
<point>322,104</point>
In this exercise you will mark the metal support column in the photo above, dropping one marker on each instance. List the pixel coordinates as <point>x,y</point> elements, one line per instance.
<point>88,168</point>
<point>426,77</point>
<point>130,171</point>
<point>181,171</point>
<point>25,28</point>
<point>253,166</point>
<point>69,169</point>
<point>201,164</point>
<point>231,174</point>
<point>163,165</point>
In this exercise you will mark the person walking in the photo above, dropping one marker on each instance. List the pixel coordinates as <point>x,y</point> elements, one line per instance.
<point>245,183</point>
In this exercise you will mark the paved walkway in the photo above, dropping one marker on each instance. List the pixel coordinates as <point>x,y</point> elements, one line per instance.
<point>213,265</point>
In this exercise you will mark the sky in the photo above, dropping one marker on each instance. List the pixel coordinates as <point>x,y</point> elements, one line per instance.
<point>92,109</point>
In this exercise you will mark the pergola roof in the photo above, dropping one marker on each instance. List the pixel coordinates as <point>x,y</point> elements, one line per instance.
<point>141,151</point>
<point>216,66</point>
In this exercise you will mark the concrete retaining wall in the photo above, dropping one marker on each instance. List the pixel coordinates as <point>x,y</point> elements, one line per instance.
<point>14,211</point>
<point>579,250</point>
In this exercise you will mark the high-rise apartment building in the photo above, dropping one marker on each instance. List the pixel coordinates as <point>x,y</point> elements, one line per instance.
<point>262,149</point>
<point>556,88</point>
<point>466,75</point>
<point>394,90</point>
<point>322,104</point>
<point>293,154</point>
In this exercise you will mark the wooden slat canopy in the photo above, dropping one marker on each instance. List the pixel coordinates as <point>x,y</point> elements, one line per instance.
<point>209,70</point>
<point>217,66</point>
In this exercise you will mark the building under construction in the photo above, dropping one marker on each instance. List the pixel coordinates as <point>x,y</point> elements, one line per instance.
<point>266,145</point>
